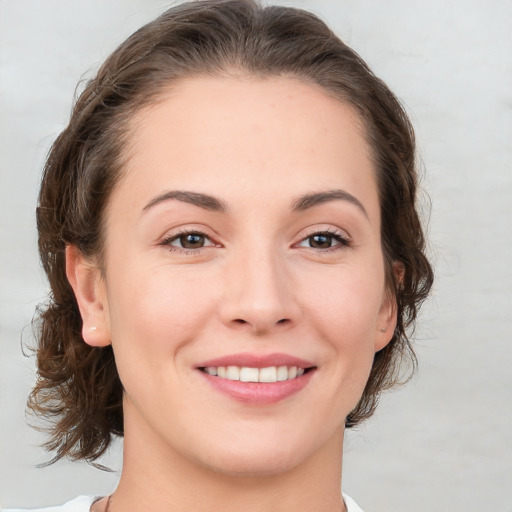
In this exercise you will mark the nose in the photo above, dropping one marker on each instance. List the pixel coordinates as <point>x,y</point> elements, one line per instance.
<point>259,295</point>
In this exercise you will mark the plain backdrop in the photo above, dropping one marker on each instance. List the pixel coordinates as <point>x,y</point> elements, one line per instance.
<point>443,441</point>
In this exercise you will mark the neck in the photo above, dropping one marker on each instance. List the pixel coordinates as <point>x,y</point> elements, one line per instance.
<point>157,478</point>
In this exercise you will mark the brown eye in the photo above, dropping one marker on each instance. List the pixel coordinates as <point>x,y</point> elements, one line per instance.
<point>320,241</point>
<point>325,240</point>
<point>191,240</point>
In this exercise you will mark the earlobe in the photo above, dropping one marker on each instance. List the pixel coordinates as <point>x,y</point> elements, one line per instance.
<point>89,288</point>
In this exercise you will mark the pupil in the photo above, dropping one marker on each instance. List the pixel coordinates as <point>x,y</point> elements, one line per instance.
<point>192,240</point>
<point>321,241</point>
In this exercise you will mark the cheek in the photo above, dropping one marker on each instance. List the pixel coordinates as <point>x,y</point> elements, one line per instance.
<point>154,315</point>
<point>156,310</point>
<point>344,309</point>
<point>345,301</point>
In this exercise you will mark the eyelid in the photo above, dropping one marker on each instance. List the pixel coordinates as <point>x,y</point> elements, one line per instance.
<point>185,234</point>
<point>179,232</point>
<point>345,240</point>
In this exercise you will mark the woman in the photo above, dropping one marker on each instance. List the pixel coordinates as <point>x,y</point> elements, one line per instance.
<point>228,226</point>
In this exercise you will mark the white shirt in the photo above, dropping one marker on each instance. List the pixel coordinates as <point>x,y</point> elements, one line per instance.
<point>80,504</point>
<point>83,504</point>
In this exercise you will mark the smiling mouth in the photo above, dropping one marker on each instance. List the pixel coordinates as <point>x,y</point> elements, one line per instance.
<point>269,374</point>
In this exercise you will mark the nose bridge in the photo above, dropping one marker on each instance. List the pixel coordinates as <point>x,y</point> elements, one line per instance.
<point>259,294</point>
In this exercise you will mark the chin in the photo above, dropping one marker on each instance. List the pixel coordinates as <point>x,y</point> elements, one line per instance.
<point>254,465</point>
<point>263,454</point>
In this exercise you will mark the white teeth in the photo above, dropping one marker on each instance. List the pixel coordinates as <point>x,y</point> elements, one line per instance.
<point>248,374</point>
<point>233,373</point>
<point>282,373</point>
<point>268,374</point>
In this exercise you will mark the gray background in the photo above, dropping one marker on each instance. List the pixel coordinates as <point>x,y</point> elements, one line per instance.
<point>443,441</point>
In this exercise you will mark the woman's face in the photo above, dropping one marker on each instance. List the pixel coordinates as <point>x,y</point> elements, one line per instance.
<point>243,241</point>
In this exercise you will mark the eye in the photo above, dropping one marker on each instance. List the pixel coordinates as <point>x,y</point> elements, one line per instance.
<point>189,240</point>
<point>325,240</point>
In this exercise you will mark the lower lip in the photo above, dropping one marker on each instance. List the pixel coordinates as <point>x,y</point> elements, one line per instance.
<point>259,393</point>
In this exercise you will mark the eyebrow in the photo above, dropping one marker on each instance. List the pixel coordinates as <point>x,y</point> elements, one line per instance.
<point>216,205</point>
<point>310,200</point>
<point>202,200</point>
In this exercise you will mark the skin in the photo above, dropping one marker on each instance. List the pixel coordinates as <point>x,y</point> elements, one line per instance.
<point>259,285</point>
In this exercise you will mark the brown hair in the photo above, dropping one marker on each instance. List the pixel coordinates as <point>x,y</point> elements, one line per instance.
<point>78,388</point>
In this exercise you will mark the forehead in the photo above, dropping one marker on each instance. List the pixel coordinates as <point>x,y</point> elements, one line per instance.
<point>198,106</point>
<point>241,135</point>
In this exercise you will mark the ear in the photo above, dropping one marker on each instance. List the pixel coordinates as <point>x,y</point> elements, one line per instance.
<point>387,318</point>
<point>89,286</point>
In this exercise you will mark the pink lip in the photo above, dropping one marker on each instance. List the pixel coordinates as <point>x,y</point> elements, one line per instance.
<point>257,361</point>
<point>258,393</point>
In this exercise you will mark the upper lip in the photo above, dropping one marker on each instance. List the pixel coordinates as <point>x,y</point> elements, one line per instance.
<point>248,360</point>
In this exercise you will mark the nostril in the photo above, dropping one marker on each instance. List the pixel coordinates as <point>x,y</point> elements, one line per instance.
<point>241,321</point>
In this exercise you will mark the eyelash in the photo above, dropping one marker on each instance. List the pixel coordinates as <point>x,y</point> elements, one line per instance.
<point>338,235</point>
<point>168,241</point>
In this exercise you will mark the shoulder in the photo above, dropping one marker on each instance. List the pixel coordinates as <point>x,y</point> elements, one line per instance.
<point>80,504</point>
<point>352,506</point>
